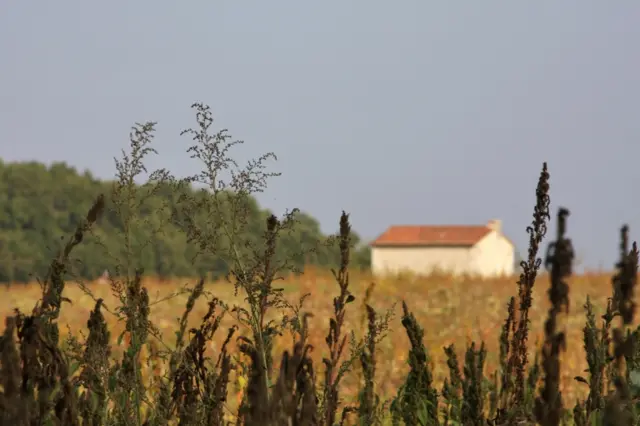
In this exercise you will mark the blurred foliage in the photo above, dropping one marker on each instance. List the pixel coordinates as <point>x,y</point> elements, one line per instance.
<point>39,205</point>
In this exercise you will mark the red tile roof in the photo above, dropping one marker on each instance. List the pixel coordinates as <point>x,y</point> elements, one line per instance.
<point>416,235</point>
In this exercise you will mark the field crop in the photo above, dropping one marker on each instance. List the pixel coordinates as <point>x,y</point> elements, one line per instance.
<point>451,310</point>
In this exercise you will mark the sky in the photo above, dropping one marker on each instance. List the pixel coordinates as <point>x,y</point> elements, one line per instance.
<point>408,112</point>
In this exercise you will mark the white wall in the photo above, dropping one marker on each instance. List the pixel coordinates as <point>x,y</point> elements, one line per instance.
<point>496,255</point>
<point>420,260</point>
<point>492,256</point>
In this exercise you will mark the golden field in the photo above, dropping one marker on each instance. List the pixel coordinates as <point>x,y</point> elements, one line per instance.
<point>450,311</point>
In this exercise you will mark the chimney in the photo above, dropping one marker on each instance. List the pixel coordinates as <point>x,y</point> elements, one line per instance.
<point>496,225</point>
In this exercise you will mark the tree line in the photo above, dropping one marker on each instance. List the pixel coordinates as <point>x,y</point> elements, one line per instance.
<point>41,206</point>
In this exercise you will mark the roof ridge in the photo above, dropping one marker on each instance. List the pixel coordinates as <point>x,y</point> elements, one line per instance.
<point>478,225</point>
<point>466,235</point>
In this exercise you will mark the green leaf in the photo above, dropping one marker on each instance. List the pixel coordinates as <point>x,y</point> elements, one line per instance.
<point>120,337</point>
<point>73,367</point>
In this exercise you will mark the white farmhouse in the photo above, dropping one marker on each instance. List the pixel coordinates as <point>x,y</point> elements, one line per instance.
<point>480,250</point>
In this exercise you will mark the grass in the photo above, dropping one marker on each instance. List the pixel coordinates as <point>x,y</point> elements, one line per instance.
<point>321,348</point>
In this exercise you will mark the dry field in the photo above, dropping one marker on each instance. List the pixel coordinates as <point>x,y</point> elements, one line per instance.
<point>450,311</point>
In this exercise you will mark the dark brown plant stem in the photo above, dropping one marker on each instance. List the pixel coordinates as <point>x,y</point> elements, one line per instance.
<point>559,260</point>
<point>518,359</point>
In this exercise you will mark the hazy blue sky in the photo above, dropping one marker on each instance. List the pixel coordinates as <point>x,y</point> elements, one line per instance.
<point>398,112</point>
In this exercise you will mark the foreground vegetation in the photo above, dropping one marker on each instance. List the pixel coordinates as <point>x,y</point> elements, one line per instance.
<point>261,344</point>
<point>435,301</point>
